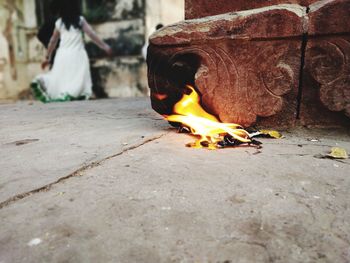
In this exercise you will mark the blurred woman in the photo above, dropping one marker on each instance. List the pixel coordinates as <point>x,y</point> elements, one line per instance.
<point>70,77</point>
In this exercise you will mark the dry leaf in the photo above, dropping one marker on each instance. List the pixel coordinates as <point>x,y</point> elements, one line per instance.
<point>338,153</point>
<point>271,133</point>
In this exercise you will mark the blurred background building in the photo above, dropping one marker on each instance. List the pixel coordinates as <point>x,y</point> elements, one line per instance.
<point>124,24</point>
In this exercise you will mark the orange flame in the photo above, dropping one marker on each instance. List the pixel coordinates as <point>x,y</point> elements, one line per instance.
<point>160,96</point>
<point>207,127</point>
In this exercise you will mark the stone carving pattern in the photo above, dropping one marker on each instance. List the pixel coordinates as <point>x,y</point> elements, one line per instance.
<point>329,65</point>
<point>252,91</point>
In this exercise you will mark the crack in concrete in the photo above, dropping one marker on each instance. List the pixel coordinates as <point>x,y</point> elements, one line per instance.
<point>263,246</point>
<point>340,161</point>
<point>255,243</point>
<point>309,208</point>
<point>334,230</point>
<point>300,144</point>
<point>77,173</point>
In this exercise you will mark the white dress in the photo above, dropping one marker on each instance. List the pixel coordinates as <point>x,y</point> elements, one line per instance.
<point>70,76</point>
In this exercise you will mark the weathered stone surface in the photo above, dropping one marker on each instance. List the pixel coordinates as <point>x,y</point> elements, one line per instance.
<point>329,17</point>
<point>202,8</point>
<point>156,201</point>
<point>108,10</point>
<point>161,202</point>
<point>245,65</point>
<point>41,143</point>
<point>326,86</point>
<point>126,38</point>
<point>121,24</point>
<point>130,74</point>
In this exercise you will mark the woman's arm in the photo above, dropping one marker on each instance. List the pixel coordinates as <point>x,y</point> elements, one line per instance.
<point>53,44</point>
<point>94,37</point>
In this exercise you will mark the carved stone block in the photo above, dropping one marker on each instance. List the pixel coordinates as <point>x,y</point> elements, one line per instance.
<point>326,83</point>
<point>202,8</point>
<point>245,65</point>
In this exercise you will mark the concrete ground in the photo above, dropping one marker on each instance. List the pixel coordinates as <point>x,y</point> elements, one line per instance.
<point>108,181</point>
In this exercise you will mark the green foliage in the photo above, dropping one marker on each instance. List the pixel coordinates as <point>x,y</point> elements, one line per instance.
<point>97,15</point>
<point>99,11</point>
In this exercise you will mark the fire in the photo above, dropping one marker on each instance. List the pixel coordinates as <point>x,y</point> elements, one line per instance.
<point>210,131</point>
<point>160,96</point>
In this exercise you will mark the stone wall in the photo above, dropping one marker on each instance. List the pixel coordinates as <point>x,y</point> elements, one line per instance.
<point>163,11</point>
<point>127,29</point>
<point>124,24</point>
<point>17,44</point>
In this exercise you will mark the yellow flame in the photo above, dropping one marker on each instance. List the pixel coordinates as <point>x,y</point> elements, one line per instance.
<point>190,113</point>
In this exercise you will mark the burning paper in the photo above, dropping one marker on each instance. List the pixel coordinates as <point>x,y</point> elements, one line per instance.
<point>211,133</point>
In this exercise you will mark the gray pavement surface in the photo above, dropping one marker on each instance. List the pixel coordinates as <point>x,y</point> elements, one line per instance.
<point>107,181</point>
